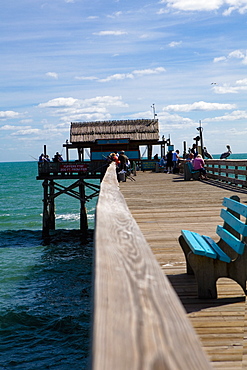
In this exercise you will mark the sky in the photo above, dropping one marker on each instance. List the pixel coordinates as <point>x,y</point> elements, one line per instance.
<point>64,61</point>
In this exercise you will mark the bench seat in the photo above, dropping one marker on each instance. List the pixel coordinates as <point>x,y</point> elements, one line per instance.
<point>204,245</point>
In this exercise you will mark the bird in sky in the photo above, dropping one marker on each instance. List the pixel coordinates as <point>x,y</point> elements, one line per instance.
<point>226,154</point>
<point>213,83</point>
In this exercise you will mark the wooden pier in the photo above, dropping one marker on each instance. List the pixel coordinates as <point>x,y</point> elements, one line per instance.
<point>138,320</point>
<point>163,204</point>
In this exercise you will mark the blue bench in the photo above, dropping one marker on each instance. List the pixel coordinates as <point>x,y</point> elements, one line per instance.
<point>189,172</point>
<point>209,260</point>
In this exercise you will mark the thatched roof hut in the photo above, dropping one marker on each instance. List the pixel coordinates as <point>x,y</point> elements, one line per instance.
<point>141,130</point>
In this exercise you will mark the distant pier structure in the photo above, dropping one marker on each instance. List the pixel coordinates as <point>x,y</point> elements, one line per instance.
<point>93,142</point>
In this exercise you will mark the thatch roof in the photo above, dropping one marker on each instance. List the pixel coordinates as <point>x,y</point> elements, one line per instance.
<point>138,130</point>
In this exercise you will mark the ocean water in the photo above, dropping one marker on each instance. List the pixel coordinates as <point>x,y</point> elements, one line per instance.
<point>232,156</point>
<point>45,287</point>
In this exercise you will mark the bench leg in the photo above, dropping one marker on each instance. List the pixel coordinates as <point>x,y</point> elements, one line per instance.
<point>236,271</point>
<point>196,175</point>
<point>204,269</point>
<point>186,250</point>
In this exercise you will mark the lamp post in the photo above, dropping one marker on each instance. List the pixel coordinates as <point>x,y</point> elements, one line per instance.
<point>153,107</point>
<point>200,129</point>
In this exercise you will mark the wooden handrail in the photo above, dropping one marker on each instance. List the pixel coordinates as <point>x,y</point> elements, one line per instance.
<point>138,322</point>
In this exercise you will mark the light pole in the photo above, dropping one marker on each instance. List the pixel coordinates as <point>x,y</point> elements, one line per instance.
<point>200,129</point>
<point>153,107</point>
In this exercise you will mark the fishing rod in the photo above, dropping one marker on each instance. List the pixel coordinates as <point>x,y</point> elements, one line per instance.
<point>36,159</point>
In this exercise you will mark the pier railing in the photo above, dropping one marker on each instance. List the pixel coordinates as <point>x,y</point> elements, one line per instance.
<point>138,321</point>
<point>227,170</point>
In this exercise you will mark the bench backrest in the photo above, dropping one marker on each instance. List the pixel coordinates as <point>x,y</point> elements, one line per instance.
<point>189,164</point>
<point>234,231</point>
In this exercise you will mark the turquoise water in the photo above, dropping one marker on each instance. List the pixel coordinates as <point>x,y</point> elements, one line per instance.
<point>44,288</point>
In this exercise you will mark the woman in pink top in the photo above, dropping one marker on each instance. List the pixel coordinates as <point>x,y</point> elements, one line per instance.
<point>198,164</point>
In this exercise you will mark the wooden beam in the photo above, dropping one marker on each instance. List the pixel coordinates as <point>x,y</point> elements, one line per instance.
<point>83,211</point>
<point>51,206</point>
<point>139,322</point>
<point>45,227</point>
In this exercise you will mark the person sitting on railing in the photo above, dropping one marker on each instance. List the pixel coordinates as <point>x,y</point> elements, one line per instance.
<point>198,164</point>
<point>114,158</point>
<point>162,163</point>
<point>57,157</point>
<point>46,158</point>
<point>41,157</point>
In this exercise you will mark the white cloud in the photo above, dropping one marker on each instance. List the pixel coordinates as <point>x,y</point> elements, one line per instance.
<point>149,71</point>
<point>133,74</point>
<point>59,102</point>
<point>240,85</point>
<point>26,131</point>
<point>236,54</point>
<point>115,15</point>
<point>168,121</point>
<point>190,5</point>
<point>233,116</point>
<point>225,89</point>
<point>70,109</point>
<point>198,106</point>
<point>110,33</point>
<point>86,117</point>
<point>86,78</point>
<point>117,76</point>
<point>242,82</point>
<point>8,114</point>
<point>106,100</point>
<point>228,6</point>
<point>174,121</point>
<point>175,43</point>
<point>52,75</point>
<point>28,120</point>
<point>162,11</point>
<point>13,128</point>
<point>220,59</point>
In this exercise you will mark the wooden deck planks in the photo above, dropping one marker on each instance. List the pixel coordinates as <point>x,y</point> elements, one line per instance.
<point>163,204</point>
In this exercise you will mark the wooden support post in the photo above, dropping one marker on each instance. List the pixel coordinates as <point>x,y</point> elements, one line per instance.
<point>149,152</point>
<point>51,206</point>
<point>185,151</point>
<point>45,230</point>
<point>67,154</point>
<point>83,212</point>
<point>162,149</point>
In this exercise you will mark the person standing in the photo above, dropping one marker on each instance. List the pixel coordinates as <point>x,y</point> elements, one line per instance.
<point>123,159</point>
<point>175,157</point>
<point>169,163</point>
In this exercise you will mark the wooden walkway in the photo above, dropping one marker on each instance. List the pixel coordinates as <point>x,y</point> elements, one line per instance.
<point>163,204</point>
